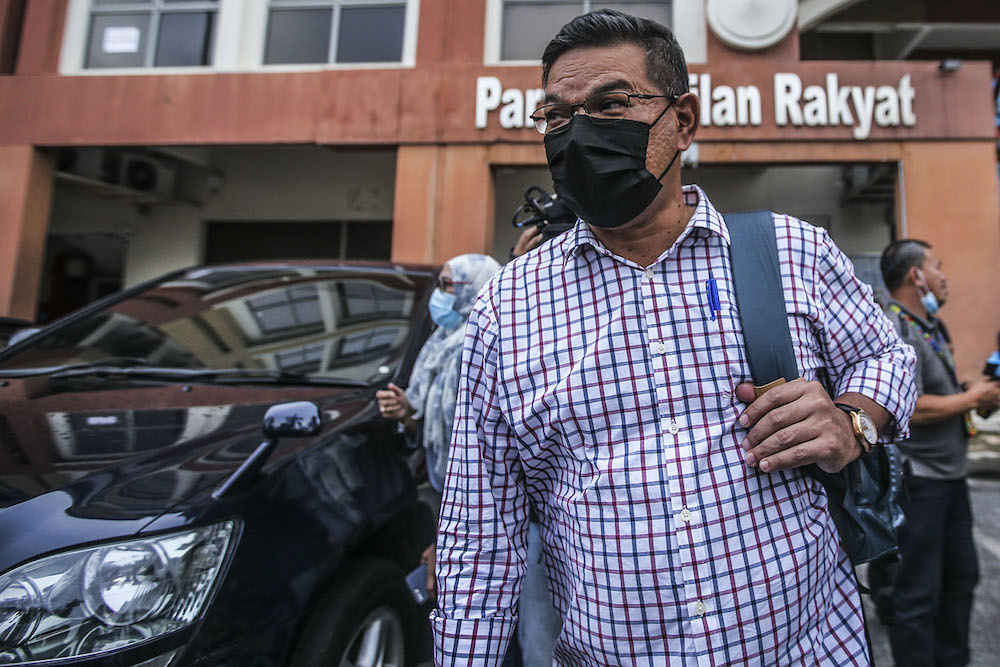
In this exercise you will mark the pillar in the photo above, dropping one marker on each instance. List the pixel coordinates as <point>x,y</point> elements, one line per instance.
<point>443,203</point>
<point>26,178</point>
<point>950,191</point>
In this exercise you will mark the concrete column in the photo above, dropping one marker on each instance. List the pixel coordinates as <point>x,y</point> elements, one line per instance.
<point>950,191</point>
<point>26,178</point>
<point>443,204</point>
<point>41,37</point>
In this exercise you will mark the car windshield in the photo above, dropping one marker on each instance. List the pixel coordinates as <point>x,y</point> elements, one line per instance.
<point>326,321</point>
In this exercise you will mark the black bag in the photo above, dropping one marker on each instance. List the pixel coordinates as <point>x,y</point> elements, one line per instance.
<point>864,495</point>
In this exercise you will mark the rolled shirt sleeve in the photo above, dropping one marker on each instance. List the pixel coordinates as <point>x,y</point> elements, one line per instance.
<point>865,353</point>
<point>481,543</point>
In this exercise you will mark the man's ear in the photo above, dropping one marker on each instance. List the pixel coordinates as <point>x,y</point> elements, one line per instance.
<point>688,113</point>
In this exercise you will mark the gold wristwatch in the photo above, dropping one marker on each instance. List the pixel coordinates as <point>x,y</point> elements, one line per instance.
<point>864,428</point>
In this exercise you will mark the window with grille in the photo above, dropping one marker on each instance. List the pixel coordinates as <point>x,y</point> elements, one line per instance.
<point>529,25</point>
<point>334,31</point>
<point>151,33</point>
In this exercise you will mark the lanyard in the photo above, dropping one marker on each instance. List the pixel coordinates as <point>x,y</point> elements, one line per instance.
<point>942,353</point>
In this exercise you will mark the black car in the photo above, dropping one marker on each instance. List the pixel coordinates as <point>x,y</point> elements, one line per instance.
<point>145,519</point>
<point>10,326</point>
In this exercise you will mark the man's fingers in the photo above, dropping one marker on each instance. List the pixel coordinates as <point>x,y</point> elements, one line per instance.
<point>745,393</point>
<point>782,439</point>
<point>799,455</point>
<point>783,393</point>
<point>777,419</point>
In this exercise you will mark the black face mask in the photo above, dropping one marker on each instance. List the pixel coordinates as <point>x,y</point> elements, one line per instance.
<point>599,168</point>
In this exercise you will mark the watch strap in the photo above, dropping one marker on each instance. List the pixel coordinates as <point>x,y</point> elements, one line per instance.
<point>854,413</point>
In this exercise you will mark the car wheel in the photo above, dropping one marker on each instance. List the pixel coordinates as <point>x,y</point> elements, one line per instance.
<point>367,619</point>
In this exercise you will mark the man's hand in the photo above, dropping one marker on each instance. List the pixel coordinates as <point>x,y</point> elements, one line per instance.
<point>795,424</point>
<point>530,238</point>
<point>985,394</point>
<point>393,404</point>
<point>430,557</point>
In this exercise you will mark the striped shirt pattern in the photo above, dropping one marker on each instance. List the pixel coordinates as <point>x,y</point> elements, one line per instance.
<point>601,395</point>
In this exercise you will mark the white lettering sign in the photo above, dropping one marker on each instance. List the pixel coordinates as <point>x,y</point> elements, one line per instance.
<point>517,106</point>
<point>120,39</point>
<point>857,107</point>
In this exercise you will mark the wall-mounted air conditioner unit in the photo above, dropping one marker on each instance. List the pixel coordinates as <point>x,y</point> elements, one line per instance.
<point>123,169</point>
<point>146,174</point>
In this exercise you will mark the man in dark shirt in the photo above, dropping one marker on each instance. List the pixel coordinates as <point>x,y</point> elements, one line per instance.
<point>938,569</point>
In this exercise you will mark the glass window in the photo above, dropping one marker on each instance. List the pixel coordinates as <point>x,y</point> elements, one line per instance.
<point>343,31</point>
<point>185,39</point>
<point>285,309</point>
<point>366,301</point>
<point>529,25</point>
<point>371,34</point>
<point>298,36</point>
<point>151,33</point>
<point>366,344</point>
<point>299,320</point>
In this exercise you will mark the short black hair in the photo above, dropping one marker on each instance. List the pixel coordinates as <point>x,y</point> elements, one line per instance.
<point>665,64</point>
<point>898,258</point>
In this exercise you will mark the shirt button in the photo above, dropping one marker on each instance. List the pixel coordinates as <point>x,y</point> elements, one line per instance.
<point>698,608</point>
<point>661,348</point>
<point>685,515</point>
<point>674,428</point>
<point>649,272</point>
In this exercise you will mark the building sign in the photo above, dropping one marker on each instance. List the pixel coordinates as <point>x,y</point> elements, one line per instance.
<point>795,104</point>
<point>886,106</point>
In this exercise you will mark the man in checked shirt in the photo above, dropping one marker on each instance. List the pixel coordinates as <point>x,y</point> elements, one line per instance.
<point>603,392</point>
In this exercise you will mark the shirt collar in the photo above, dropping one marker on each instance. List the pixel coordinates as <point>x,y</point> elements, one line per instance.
<point>706,217</point>
<point>930,324</point>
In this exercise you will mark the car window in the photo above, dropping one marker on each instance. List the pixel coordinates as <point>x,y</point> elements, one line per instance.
<point>351,324</point>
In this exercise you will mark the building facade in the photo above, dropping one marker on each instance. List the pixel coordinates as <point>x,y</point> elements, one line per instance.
<point>140,136</point>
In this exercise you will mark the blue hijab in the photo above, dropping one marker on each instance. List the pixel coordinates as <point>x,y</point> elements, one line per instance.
<point>433,390</point>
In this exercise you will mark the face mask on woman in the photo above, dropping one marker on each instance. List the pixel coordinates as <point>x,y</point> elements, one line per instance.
<point>442,307</point>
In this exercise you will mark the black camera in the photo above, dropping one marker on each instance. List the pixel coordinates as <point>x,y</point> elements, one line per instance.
<point>545,211</point>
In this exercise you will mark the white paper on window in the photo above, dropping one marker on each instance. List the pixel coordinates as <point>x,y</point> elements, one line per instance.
<point>120,39</point>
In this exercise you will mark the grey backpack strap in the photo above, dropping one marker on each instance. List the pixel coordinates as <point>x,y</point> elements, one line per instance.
<point>753,253</point>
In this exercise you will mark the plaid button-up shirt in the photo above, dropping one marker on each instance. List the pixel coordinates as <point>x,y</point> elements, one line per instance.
<point>601,394</point>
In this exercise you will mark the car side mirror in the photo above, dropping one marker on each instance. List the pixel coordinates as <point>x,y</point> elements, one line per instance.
<point>292,420</point>
<point>300,419</point>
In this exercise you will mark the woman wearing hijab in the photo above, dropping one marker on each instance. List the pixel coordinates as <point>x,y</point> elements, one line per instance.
<point>427,407</point>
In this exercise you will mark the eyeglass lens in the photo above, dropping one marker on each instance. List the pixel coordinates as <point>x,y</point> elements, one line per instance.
<point>603,106</point>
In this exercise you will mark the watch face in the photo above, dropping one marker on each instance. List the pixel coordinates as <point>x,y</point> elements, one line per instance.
<point>868,431</point>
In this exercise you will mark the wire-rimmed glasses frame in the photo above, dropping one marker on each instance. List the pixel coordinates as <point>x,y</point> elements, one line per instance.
<point>608,106</point>
<point>447,284</point>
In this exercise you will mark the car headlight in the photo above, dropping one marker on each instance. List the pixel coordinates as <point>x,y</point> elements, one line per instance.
<point>106,597</point>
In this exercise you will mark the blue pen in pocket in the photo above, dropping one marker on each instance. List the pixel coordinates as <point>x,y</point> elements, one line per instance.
<point>712,293</point>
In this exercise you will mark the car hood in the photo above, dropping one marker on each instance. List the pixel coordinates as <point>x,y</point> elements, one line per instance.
<point>105,452</point>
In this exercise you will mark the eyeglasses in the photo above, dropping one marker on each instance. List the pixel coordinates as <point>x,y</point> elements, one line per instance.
<point>446,284</point>
<point>608,107</point>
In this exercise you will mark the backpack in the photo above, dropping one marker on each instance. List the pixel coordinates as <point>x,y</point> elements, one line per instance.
<point>864,495</point>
